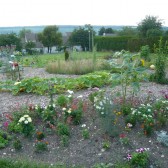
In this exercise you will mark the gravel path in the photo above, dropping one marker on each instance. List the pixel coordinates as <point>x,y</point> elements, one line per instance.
<point>8,102</point>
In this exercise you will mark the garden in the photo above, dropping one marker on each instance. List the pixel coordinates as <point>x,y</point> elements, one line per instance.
<point>94,109</point>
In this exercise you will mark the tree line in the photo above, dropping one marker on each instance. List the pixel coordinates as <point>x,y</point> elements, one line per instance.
<point>149,27</point>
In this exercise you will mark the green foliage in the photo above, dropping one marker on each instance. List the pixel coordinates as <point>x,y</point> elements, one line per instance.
<point>41,146</point>
<point>130,76</point>
<point>81,36</point>
<point>62,100</point>
<point>50,37</point>
<point>4,139</point>
<point>17,144</point>
<point>85,133</point>
<point>105,30</point>
<point>106,145</point>
<point>25,163</point>
<point>106,110</point>
<point>139,159</point>
<point>63,129</point>
<point>66,55</point>
<point>26,124</point>
<point>10,39</point>
<point>111,43</point>
<point>160,73</point>
<point>145,51</point>
<point>65,140</point>
<point>150,22</point>
<point>127,31</point>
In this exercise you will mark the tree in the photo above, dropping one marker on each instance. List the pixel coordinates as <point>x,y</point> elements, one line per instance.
<point>50,37</point>
<point>10,39</point>
<point>23,32</point>
<point>82,36</point>
<point>29,45</point>
<point>127,31</point>
<point>150,22</point>
<point>109,30</point>
<point>102,31</point>
<point>105,30</point>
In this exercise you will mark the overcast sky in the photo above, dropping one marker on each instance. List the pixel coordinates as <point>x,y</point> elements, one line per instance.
<point>80,12</point>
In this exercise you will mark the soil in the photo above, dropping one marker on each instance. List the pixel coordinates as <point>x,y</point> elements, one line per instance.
<point>84,152</point>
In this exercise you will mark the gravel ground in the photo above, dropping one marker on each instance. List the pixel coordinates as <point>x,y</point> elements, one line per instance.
<point>80,151</point>
<point>8,101</point>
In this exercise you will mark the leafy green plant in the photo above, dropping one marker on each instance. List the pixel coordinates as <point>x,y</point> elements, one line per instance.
<point>130,76</point>
<point>40,135</point>
<point>26,124</point>
<point>4,139</point>
<point>62,100</point>
<point>85,133</point>
<point>106,110</point>
<point>17,144</point>
<point>65,140</point>
<point>124,140</point>
<point>106,145</point>
<point>41,146</point>
<point>140,158</point>
<point>145,51</point>
<point>63,129</point>
<point>160,72</point>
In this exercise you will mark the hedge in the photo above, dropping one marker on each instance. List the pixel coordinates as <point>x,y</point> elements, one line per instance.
<point>127,43</point>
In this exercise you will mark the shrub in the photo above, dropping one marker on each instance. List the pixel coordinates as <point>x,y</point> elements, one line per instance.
<point>145,51</point>
<point>63,129</point>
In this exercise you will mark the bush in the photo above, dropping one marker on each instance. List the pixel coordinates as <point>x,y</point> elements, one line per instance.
<point>145,51</point>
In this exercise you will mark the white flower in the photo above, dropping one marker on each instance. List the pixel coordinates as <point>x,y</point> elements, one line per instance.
<point>21,119</point>
<point>54,105</point>
<point>16,83</point>
<point>36,107</point>
<point>70,91</point>
<point>83,125</point>
<point>80,96</point>
<point>69,96</point>
<point>152,67</point>
<point>10,62</point>
<point>26,122</point>
<point>69,111</point>
<point>29,119</point>
<point>100,103</point>
<point>26,116</point>
<point>64,109</point>
<point>149,110</point>
<point>102,113</point>
<point>97,107</point>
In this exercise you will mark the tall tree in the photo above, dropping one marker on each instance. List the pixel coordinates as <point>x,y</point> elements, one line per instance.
<point>83,36</point>
<point>127,31</point>
<point>150,22</point>
<point>10,39</point>
<point>23,32</point>
<point>50,37</point>
<point>102,31</point>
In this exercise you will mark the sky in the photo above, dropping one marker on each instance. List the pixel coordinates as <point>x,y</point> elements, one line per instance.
<point>77,12</point>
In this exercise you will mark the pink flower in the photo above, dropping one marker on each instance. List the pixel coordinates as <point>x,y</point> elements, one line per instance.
<point>5,124</point>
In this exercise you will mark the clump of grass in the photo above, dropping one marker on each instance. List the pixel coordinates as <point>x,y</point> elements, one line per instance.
<point>77,67</point>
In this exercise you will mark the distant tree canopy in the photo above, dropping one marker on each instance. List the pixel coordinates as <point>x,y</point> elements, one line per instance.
<point>150,26</point>
<point>23,32</point>
<point>105,30</point>
<point>82,36</point>
<point>127,31</point>
<point>10,39</point>
<point>50,37</point>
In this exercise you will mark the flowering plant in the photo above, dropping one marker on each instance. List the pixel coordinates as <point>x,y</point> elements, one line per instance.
<point>26,124</point>
<point>139,158</point>
<point>124,140</point>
